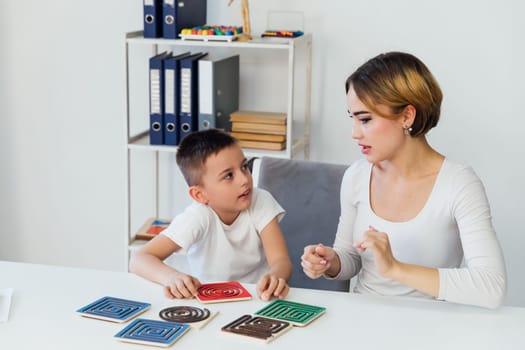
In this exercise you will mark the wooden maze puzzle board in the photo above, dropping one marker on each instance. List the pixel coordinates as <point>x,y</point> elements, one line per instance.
<point>195,316</point>
<point>152,332</point>
<point>257,328</point>
<point>222,292</point>
<point>113,309</point>
<point>296,313</point>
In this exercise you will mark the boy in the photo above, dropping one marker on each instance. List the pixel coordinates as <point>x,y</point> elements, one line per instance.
<point>230,233</point>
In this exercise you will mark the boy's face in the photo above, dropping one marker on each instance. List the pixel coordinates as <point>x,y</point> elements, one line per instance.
<point>227,183</point>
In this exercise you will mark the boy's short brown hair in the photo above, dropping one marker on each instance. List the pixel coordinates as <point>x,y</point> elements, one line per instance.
<point>195,149</point>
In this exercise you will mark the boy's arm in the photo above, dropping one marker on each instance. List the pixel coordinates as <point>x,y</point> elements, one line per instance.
<point>148,263</point>
<point>275,282</point>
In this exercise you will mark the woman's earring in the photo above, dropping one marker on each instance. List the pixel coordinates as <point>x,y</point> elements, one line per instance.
<point>408,130</point>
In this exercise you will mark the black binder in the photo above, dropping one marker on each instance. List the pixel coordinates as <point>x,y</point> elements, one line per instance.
<point>156,98</point>
<point>189,94</point>
<point>152,18</point>
<point>172,98</point>
<point>218,91</point>
<point>179,14</point>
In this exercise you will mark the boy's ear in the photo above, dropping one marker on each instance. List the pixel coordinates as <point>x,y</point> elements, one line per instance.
<point>198,194</point>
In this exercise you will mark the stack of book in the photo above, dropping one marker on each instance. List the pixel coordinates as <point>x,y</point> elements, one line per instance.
<point>260,130</point>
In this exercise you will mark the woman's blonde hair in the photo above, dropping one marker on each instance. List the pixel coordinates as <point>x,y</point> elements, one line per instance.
<point>396,80</point>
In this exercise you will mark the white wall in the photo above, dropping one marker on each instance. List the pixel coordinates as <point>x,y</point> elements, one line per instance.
<point>62,103</point>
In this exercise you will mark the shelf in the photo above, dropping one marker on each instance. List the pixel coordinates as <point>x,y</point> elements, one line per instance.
<point>256,43</point>
<point>141,142</point>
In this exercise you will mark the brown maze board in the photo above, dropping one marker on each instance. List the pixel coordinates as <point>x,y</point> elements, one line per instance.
<point>257,328</point>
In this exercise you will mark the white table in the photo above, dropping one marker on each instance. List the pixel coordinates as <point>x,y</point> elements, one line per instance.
<point>45,299</point>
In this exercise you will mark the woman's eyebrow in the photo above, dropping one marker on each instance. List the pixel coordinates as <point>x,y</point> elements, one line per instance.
<point>358,113</point>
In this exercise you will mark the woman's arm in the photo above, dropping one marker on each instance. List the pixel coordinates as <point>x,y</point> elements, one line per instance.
<point>424,279</point>
<point>483,280</point>
<point>348,262</point>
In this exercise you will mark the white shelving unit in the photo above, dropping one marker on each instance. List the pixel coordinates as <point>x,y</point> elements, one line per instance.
<point>296,50</point>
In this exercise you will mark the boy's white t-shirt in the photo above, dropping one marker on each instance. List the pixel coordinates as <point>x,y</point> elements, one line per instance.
<point>219,252</point>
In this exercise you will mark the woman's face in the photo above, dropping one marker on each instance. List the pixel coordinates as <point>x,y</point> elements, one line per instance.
<point>379,138</point>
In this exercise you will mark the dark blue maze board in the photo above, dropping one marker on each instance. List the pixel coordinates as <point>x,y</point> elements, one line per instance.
<point>113,309</point>
<point>152,332</point>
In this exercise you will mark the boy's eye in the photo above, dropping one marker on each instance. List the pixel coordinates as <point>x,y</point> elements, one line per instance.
<point>228,175</point>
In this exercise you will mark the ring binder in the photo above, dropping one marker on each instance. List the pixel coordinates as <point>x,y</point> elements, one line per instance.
<point>218,91</point>
<point>156,98</point>
<point>179,14</point>
<point>172,98</point>
<point>152,18</point>
<point>189,94</point>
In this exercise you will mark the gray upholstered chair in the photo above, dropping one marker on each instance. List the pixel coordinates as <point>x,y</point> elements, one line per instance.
<point>309,192</point>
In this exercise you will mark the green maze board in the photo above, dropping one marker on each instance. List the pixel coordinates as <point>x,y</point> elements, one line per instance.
<point>296,313</point>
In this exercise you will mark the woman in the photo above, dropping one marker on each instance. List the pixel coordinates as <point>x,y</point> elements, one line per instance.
<point>413,222</point>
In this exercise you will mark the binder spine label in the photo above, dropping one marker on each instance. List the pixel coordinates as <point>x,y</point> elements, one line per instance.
<point>169,101</point>
<point>155,98</point>
<point>206,87</point>
<point>185,92</point>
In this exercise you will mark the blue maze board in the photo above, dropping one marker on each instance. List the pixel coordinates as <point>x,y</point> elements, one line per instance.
<point>257,328</point>
<point>113,309</point>
<point>152,332</point>
<point>296,313</point>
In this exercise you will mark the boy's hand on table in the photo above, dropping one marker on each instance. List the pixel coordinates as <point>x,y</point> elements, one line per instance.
<point>181,286</point>
<point>270,287</point>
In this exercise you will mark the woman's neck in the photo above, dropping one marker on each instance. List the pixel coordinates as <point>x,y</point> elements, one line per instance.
<point>415,160</point>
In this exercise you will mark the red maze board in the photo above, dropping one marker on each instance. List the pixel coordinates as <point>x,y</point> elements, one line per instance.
<point>222,292</point>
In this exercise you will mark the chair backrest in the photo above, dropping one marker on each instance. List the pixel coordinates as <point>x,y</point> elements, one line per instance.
<point>309,192</point>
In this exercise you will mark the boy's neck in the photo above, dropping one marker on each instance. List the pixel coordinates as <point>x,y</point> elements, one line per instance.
<point>226,218</point>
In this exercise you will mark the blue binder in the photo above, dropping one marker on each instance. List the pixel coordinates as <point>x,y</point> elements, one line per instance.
<point>152,18</point>
<point>156,98</point>
<point>218,91</point>
<point>189,94</point>
<point>179,14</point>
<point>172,98</point>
